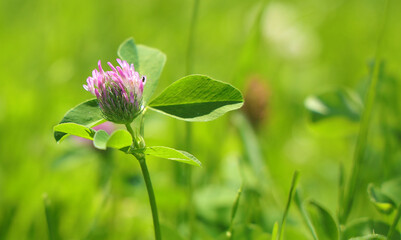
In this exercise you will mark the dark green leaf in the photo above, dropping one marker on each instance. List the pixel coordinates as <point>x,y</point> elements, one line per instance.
<point>381,201</point>
<point>87,114</point>
<point>197,98</point>
<point>172,154</point>
<point>128,51</point>
<point>324,224</point>
<point>370,237</point>
<point>392,189</point>
<point>100,139</point>
<point>75,129</point>
<point>365,227</point>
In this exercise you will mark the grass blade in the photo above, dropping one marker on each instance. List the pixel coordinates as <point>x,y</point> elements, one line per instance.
<point>299,202</point>
<point>233,213</point>
<point>293,185</point>
<point>51,227</point>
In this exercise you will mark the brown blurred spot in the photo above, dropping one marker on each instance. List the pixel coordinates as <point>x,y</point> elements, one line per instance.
<point>256,101</point>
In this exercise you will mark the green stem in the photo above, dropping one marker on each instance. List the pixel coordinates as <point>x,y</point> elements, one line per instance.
<point>188,136</point>
<point>361,143</point>
<point>131,131</point>
<point>145,172</point>
<point>152,198</point>
<point>395,222</point>
<point>189,56</point>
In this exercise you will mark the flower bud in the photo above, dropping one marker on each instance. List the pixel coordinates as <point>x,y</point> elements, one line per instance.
<point>119,91</point>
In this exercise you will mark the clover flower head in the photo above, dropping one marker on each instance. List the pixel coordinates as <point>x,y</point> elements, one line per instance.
<point>119,91</point>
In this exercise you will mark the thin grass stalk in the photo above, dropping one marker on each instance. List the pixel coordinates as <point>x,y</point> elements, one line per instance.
<point>234,209</point>
<point>287,207</point>
<point>395,222</point>
<point>188,125</point>
<point>361,143</point>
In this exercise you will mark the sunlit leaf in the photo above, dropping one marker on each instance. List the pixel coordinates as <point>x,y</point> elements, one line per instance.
<point>147,61</point>
<point>275,231</point>
<point>172,154</point>
<point>128,51</point>
<point>151,64</point>
<point>100,139</point>
<point>197,98</point>
<point>119,139</point>
<point>75,129</point>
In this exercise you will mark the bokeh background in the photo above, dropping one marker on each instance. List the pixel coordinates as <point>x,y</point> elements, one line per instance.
<point>278,53</point>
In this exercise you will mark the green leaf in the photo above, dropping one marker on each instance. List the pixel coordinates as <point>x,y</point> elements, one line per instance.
<point>100,139</point>
<point>119,139</point>
<point>370,237</point>
<point>197,98</point>
<point>151,64</point>
<point>75,129</point>
<point>172,154</point>
<point>382,202</point>
<point>366,227</point>
<point>301,207</point>
<point>340,103</point>
<point>275,231</point>
<point>147,61</point>
<point>392,189</point>
<point>324,224</point>
<point>87,114</point>
<point>127,51</point>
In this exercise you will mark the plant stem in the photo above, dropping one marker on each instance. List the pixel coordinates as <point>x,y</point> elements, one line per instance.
<point>395,222</point>
<point>188,125</point>
<point>189,56</point>
<point>359,154</point>
<point>131,131</point>
<point>152,198</point>
<point>145,172</point>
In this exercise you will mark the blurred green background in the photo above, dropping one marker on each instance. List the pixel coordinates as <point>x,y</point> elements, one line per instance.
<point>296,49</point>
